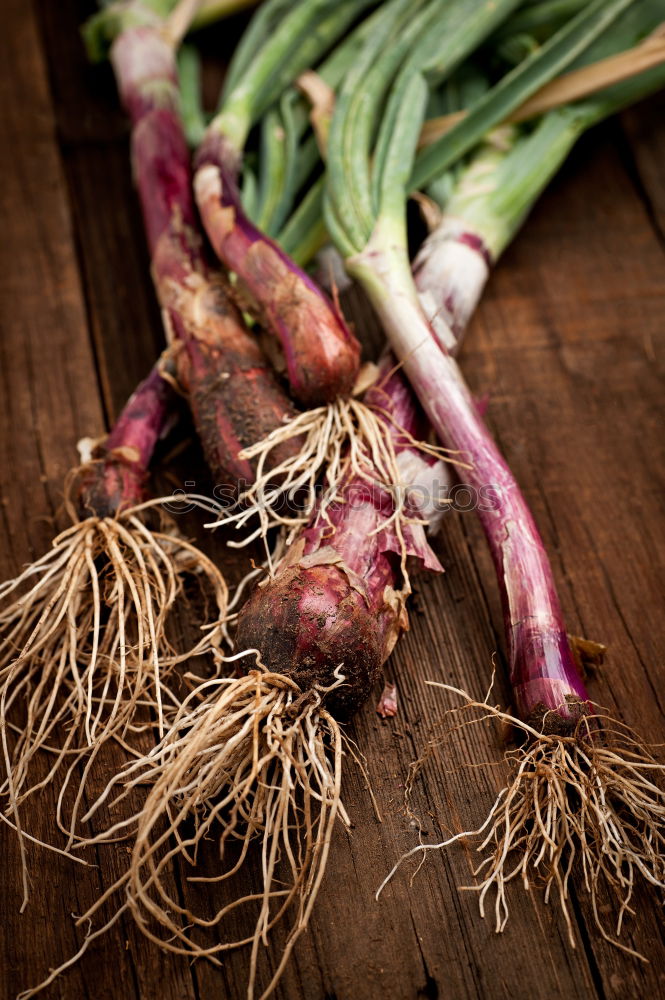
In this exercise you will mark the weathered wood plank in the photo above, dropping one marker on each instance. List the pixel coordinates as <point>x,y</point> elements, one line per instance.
<point>112,255</point>
<point>646,152</point>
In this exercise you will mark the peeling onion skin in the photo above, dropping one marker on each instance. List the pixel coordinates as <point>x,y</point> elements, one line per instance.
<point>321,353</point>
<point>339,597</point>
<point>451,270</point>
<point>219,364</point>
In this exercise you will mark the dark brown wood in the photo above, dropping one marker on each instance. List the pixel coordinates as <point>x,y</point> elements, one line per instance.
<point>566,343</point>
<point>51,398</point>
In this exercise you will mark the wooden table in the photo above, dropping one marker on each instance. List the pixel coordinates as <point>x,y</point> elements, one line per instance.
<point>567,345</point>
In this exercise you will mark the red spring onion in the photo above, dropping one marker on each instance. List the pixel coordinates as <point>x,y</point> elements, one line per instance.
<point>616,822</point>
<point>320,352</point>
<point>259,757</point>
<point>337,597</point>
<point>83,630</point>
<point>117,478</point>
<point>542,670</point>
<point>234,395</point>
<point>584,787</point>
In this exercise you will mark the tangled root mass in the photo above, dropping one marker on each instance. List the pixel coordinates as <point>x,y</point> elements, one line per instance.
<point>593,800</point>
<point>85,649</point>
<point>255,766</point>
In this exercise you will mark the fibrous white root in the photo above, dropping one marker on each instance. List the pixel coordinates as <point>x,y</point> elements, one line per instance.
<point>594,799</point>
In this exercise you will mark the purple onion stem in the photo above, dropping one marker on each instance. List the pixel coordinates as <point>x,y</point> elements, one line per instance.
<point>547,688</point>
<point>321,354</point>
<point>233,393</point>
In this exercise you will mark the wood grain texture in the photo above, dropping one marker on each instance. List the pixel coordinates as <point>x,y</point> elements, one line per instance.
<point>568,342</point>
<point>51,398</point>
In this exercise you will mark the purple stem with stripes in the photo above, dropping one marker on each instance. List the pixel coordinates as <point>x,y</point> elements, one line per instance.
<point>548,691</point>
<point>234,395</point>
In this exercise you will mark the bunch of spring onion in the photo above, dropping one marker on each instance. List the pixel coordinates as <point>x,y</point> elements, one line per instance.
<point>584,787</point>
<point>256,760</point>
<point>323,600</point>
<point>304,622</point>
<point>320,355</point>
<point>228,778</point>
<point>279,640</point>
<point>84,631</point>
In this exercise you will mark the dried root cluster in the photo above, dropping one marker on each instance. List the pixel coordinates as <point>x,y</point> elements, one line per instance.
<point>593,801</point>
<point>345,439</point>
<point>86,654</point>
<point>249,762</point>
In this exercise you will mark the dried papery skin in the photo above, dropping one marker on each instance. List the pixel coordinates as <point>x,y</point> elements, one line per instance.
<point>310,618</point>
<point>451,271</point>
<point>453,265</point>
<point>593,799</point>
<point>321,354</point>
<point>219,364</point>
<point>387,705</point>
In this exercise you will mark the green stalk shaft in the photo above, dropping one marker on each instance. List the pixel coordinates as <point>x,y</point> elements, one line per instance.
<point>211,11</point>
<point>513,178</point>
<point>305,232</point>
<point>292,163</point>
<point>191,110</point>
<point>540,19</point>
<point>538,69</point>
<point>303,34</point>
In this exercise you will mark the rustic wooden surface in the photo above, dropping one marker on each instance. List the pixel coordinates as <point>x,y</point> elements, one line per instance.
<point>567,342</point>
